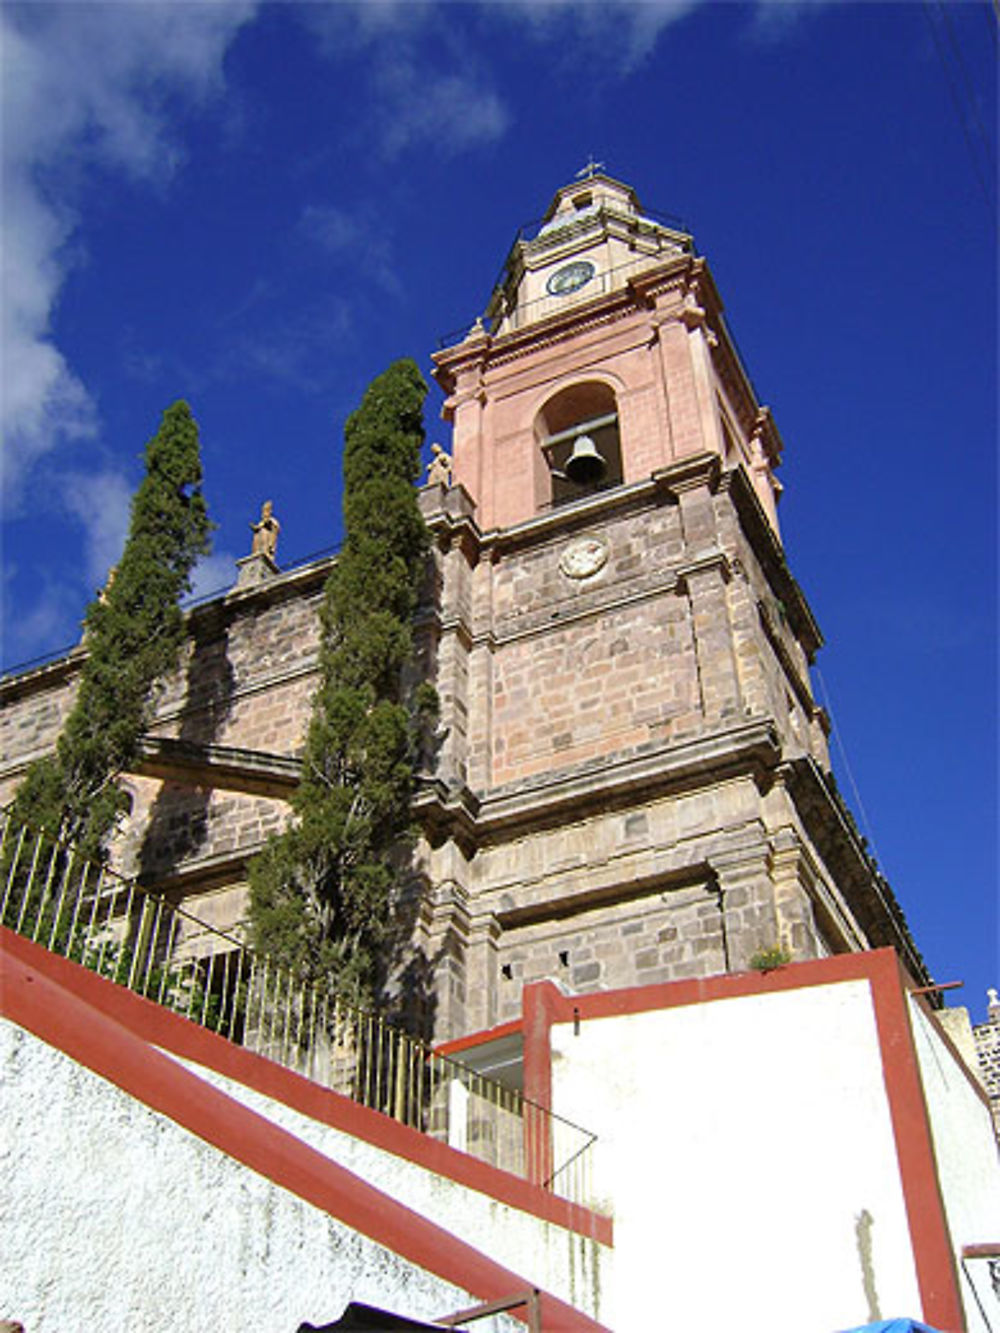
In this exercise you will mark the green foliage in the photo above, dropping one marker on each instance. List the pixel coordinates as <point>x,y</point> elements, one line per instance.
<point>321,894</point>
<point>766,960</point>
<point>133,634</point>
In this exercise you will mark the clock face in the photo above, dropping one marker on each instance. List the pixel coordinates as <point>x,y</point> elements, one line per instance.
<point>570,278</point>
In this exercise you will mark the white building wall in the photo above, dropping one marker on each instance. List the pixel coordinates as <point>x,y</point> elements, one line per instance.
<point>559,1261</point>
<point>750,1151</point>
<point>114,1218</point>
<point>967,1161</point>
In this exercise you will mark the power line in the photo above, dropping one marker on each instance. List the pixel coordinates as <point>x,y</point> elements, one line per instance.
<point>961,88</point>
<point>835,730</point>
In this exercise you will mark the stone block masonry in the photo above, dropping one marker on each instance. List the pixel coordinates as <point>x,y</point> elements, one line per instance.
<point>986,1037</point>
<point>621,736</point>
<point>223,745</point>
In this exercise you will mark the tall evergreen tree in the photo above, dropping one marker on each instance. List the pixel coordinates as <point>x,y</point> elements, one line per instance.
<point>321,893</point>
<point>133,633</point>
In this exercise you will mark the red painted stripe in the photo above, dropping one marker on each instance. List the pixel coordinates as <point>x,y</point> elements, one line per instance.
<point>478,1038</point>
<point>930,1238</point>
<point>152,1023</point>
<point>86,1033</point>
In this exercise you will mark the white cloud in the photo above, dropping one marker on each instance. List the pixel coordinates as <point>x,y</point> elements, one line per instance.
<point>625,30</point>
<point>453,111</point>
<point>82,85</point>
<point>353,239</point>
<point>100,502</point>
<point>447,100</point>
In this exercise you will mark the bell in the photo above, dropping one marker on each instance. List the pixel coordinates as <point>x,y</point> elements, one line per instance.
<point>585,464</point>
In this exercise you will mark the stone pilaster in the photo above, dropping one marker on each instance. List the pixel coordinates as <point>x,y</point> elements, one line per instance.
<point>746,900</point>
<point>482,973</point>
<point>254,569</point>
<point>792,878</point>
<point>705,585</point>
<point>446,931</point>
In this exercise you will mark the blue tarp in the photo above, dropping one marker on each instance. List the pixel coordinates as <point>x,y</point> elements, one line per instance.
<point>893,1326</point>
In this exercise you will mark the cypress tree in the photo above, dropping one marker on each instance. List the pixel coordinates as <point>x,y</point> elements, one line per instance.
<point>133,633</point>
<point>321,893</point>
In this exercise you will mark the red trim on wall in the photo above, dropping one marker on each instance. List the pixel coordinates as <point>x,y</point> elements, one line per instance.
<point>933,1253</point>
<point>157,1025</point>
<point>60,1016</point>
<point>480,1038</point>
<point>544,1004</point>
<point>541,1002</point>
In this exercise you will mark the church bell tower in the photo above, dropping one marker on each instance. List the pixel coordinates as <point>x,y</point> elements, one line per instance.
<point>631,783</point>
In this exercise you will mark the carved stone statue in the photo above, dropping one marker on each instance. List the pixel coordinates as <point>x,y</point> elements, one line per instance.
<point>102,593</point>
<point>265,532</point>
<point>439,468</point>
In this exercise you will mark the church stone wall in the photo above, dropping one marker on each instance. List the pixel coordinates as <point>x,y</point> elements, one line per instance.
<point>986,1037</point>
<point>247,676</point>
<point>628,782</point>
<point>35,708</point>
<point>239,703</point>
<point>583,671</point>
<point>628,723</point>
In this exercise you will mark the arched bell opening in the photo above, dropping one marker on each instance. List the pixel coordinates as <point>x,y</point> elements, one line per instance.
<point>577,432</point>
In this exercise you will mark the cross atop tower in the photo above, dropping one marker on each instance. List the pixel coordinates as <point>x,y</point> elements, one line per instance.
<point>590,170</point>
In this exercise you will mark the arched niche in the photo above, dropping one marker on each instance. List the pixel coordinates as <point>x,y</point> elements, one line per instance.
<point>583,411</point>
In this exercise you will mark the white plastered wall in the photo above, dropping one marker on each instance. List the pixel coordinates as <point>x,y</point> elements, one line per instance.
<point>572,1267</point>
<point>967,1162</point>
<point>113,1218</point>
<point>750,1150</point>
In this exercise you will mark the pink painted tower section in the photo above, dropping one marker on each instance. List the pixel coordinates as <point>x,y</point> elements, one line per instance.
<point>605,316</point>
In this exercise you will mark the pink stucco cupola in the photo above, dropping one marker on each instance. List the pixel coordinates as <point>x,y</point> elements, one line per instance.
<point>601,359</point>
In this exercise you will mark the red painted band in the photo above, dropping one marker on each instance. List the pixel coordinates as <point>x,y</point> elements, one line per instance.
<point>480,1038</point>
<point>60,1016</point>
<point>171,1032</point>
<point>930,1237</point>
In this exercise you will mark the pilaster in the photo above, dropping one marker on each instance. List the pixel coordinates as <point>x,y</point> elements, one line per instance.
<point>746,900</point>
<point>447,936</point>
<point>483,972</point>
<point>792,878</point>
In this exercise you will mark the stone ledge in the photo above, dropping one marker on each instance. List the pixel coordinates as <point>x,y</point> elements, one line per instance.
<point>768,550</point>
<point>873,902</point>
<point>753,747</point>
<point>223,767</point>
<point>695,875</point>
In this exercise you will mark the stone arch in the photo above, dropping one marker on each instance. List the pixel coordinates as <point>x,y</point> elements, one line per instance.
<point>583,409</point>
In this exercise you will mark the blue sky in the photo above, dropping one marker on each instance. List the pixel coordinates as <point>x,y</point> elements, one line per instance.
<point>257,207</point>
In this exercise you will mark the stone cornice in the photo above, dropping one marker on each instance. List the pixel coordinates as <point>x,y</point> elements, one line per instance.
<point>751,748</point>
<point>447,813</point>
<point>832,830</point>
<point>448,526</point>
<point>43,677</point>
<point>769,552</point>
<point>694,875</point>
<point>627,300</point>
<point>201,620</point>
<point>222,871</point>
<point>697,470</point>
<point>704,469</point>
<point>254,772</point>
<point>797,681</point>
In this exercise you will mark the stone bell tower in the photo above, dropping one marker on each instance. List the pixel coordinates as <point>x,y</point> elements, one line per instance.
<point>632,782</point>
